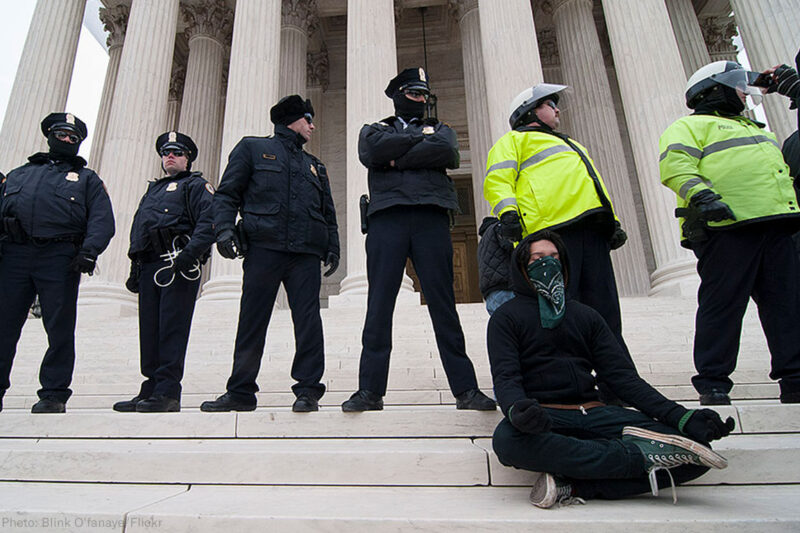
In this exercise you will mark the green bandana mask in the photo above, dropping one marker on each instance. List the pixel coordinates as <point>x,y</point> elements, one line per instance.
<point>546,277</point>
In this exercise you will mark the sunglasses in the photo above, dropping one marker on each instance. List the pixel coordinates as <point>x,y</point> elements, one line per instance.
<point>550,103</point>
<point>174,151</point>
<point>64,135</point>
<point>308,118</point>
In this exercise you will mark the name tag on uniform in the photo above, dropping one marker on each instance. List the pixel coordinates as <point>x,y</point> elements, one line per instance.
<point>271,157</point>
<point>172,187</point>
<point>72,176</point>
<point>314,170</point>
<point>428,130</point>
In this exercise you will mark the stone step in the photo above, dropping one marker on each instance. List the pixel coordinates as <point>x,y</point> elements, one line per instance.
<point>42,507</point>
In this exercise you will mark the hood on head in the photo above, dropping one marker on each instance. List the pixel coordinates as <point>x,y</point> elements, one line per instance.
<point>520,283</point>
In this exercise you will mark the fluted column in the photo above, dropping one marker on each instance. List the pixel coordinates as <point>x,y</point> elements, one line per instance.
<point>652,93</point>
<point>252,90</point>
<point>594,124</point>
<point>466,12</point>
<point>298,17</point>
<point>770,34</point>
<point>688,35</point>
<point>138,115</point>
<point>510,57</point>
<point>43,77</point>
<point>177,80</point>
<point>371,63</point>
<point>207,25</point>
<point>115,20</point>
<point>317,84</point>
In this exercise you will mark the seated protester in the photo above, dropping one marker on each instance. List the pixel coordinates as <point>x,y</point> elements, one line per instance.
<point>494,258</point>
<point>543,350</point>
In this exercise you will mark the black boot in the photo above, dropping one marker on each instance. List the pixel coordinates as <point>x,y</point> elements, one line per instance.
<point>226,402</point>
<point>128,406</point>
<point>49,405</point>
<point>305,404</point>
<point>363,400</point>
<point>158,404</point>
<point>715,397</point>
<point>475,400</point>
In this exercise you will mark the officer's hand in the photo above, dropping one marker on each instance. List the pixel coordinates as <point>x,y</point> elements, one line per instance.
<point>227,244</point>
<point>705,425</point>
<point>529,417</point>
<point>132,283</point>
<point>84,262</point>
<point>788,81</point>
<point>333,260</point>
<point>710,208</point>
<point>183,263</point>
<point>510,227</point>
<point>619,238</point>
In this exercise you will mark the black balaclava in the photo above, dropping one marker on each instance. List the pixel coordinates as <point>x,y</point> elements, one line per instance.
<point>722,99</point>
<point>407,109</point>
<point>60,149</point>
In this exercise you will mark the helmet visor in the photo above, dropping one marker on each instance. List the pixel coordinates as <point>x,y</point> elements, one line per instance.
<point>743,82</point>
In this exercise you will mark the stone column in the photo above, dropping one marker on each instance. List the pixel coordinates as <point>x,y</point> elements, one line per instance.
<point>652,93</point>
<point>770,36</point>
<point>138,114</point>
<point>43,77</point>
<point>594,124</point>
<point>207,25</point>
<point>688,35</point>
<point>252,90</point>
<point>510,57</point>
<point>317,84</point>
<point>466,12</point>
<point>371,63</point>
<point>718,34</point>
<point>298,18</point>
<point>177,81</point>
<point>115,20</point>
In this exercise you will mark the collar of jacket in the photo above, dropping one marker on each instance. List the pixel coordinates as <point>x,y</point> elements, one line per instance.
<point>180,175</point>
<point>738,118</point>
<point>543,129</point>
<point>289,137</point>
<point>75,163</point>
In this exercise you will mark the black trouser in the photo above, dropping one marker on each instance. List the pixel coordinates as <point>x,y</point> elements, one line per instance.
<point>423,234</point>
<point>264,271</point>
<point>27,270</point>
<point>165,318</point>
<point>587,451</point>
<point>757,261</point>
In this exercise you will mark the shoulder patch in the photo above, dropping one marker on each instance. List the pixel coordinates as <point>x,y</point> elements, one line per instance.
<point>209,188</point>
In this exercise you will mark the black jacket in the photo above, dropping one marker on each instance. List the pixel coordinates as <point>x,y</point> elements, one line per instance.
<point>421,152</point>
<point>555,365</point>
<point>181,203</point>
<point>55,199</point>
<point>282,193</point>
<point>494,258</point>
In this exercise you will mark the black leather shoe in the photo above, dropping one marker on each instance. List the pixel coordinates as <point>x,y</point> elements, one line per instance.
<point>158,404</point>
<point>476,400</point>
<point>715,397</point>
<point>128,406</point>
<point>363,400</point>
<point>786,397</point>
<point>226,402</point>
<point>49,405</point>
<point>1,403</point>
<point>305,404</point>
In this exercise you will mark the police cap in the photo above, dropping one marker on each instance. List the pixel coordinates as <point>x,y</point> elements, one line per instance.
<point>178,141</point>
<point>64,121</point>
<point>290,108</point>
<point>410,78</point>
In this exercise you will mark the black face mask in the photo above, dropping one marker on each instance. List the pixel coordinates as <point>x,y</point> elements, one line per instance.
<point>721,99</point>
<point>61,149</point>
<point>407,109</point>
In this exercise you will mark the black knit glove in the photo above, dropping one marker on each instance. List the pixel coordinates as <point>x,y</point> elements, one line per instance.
<point>183,263</point>
<point>510,226</point>
<point>788,82</point>
<point>228,245</point>
<point>84,262</point>
<point>332,260</point>
<point>529,417</point>
<point>705,425</point>
<point>618,238</point>
<point>708,204</point>
<point>132,283</point>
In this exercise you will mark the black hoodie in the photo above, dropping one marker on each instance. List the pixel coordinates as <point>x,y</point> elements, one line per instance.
<point>555,365</point>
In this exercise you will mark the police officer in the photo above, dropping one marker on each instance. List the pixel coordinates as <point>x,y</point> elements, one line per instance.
<point>288,225</point>
<point>57,219</point>
<point>411,196</point>
<point>538,178</point>
<point>739,210</point>
<point>171,237</point>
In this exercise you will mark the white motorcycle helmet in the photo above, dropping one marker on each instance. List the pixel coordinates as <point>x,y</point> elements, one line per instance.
<point>728,73</point>
<point>525,102</point>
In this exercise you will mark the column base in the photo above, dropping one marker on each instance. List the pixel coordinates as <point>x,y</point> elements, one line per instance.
<point>113,298</point>
<point>225,288</point>
<point>354,290</point>
<point>675,279</point>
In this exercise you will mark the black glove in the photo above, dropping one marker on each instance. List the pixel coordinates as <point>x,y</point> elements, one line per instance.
<point>705,425</point>
<point>709,206</point>
<point>333,260</point>
<point>619,238</point>
<point>510,227</point>
<point>228,244</point>
<point>529,417</point>
<point>788,81</point>
<point>84,262</point>
<point>183,263</point>
<point>132,283</point>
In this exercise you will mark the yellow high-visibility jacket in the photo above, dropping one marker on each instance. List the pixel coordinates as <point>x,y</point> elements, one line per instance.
<point>735,158</point>
<point>544,179</point>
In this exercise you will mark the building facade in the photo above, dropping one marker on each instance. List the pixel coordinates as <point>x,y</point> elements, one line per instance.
<point>213,68</point>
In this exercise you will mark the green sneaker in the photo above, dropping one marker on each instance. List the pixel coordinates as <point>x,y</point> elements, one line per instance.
<point>548,491</point>
<point>668,451</point>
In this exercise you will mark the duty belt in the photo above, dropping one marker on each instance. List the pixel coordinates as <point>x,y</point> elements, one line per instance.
<point>41,241</point>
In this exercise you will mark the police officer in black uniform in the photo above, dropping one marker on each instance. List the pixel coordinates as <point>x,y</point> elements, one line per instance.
<point>171,237</point>
<point>288,225</point>
<point>411,196</point>
<point>56,220</point>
